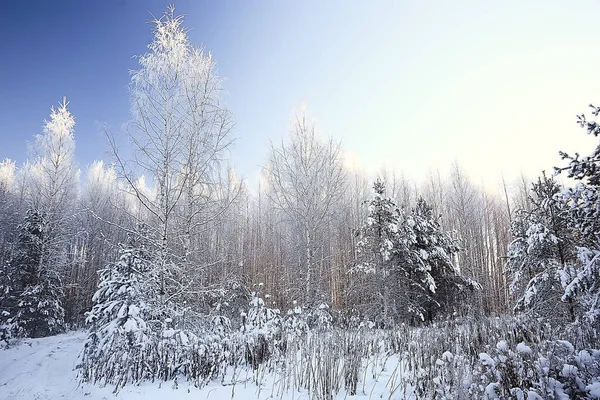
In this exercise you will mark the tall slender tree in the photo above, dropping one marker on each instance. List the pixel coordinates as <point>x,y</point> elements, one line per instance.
<point>41,258</point>
<point>179,132</point>
<point>306,178</point>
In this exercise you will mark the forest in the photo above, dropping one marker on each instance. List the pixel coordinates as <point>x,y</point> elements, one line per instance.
<point>319,275</point>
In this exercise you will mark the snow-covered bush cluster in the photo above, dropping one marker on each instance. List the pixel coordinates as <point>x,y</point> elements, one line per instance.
<point>464,359</point>
<point>550,370</point>
<point>127,343</point>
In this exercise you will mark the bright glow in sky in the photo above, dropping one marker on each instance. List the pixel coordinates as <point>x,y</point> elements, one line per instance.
<point>412,85</point>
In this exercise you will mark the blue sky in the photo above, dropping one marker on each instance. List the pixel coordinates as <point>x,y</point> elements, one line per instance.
<point>412,85</point>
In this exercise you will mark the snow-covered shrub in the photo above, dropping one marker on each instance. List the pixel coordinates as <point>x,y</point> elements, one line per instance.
<point>320,318</point>
<point>5,335</point>
<point>444,380</point>
<point>220,326</point>
<point>179,353</point>
<point>298,321</point>
<point>294,323</point>
<point>551,370</point>
<point>228,300</point>
<point>505,375</point>
<point>261,329</point>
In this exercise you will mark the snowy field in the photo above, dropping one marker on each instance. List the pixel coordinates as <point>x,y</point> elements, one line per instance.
<point>43,369</point>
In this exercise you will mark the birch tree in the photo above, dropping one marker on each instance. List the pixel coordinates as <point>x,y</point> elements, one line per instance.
<point>10,208</point>
<point>179,132</point>
<point>43,254</point>
<point>53,177</point>
<point>306,178</point>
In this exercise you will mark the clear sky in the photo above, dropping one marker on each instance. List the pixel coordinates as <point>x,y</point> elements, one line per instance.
<point>413,85</point>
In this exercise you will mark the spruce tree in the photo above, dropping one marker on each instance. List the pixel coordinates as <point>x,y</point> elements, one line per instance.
<point>375,258</point>
<point>434,251</point>
<point>404,270</point>
<point>32,289</point>
<point>116,345</point>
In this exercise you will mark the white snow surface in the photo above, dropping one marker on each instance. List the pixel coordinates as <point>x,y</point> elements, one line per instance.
<point>594,390</point>
<point>44,369</point>
<point>523,349</point>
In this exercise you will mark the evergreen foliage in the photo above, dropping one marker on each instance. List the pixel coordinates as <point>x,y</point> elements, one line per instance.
<point>408,258</point>
<point>581,205</point>
<point>117,342</point>
<point>436,249</point>
<point>542,247</point>
<point>31,293</point>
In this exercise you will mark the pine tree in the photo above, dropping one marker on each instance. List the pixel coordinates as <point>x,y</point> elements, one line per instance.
<point>542,247</point>
<point>260,327</point>
<point>581,205</point>
<point>415,286</point>
<point>7,301</point>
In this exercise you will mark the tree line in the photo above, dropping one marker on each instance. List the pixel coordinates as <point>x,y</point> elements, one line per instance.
<point>169,230</point>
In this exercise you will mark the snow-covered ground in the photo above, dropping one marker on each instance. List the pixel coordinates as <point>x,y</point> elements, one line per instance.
<point>40,369</point>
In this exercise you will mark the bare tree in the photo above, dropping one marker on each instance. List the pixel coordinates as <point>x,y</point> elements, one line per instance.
<point>52,179</point>
<point>9,208</point>
<point>52,192</point>
<point>179,133</point>
<point>306,178</point>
